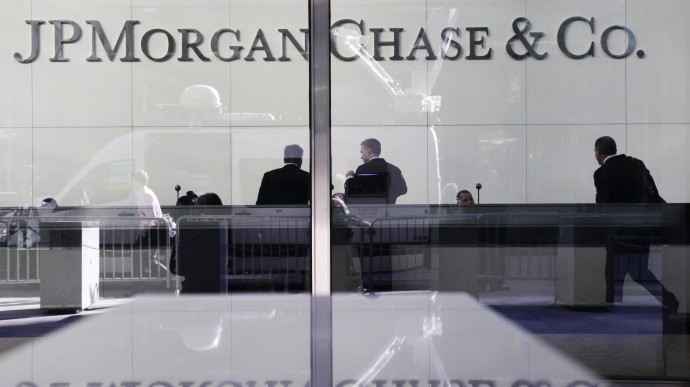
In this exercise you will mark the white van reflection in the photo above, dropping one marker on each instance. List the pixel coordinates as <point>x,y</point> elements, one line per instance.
<point>198,159</point>
<point>201,105</point>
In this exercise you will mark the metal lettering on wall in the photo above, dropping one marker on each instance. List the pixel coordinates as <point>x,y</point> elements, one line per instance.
<point>523,44</point>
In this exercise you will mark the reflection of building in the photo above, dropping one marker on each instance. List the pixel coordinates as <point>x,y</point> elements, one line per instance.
<point>199,159</point>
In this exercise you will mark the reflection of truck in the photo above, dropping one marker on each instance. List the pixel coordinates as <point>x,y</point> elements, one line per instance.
<point>198,156</point>
<point>198,159</point>
<point>171,156</point>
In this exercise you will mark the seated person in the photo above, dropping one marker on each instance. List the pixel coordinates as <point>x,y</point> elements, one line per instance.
<point>200,251</point>
<point>189,199</point>
<point>209,199</point>
<point>464,197</point>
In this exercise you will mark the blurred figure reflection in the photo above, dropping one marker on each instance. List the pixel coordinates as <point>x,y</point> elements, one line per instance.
<point>148,207</point>
<point>448,193</point>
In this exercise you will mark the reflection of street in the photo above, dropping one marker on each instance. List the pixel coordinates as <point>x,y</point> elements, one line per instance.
<point>404,102</point>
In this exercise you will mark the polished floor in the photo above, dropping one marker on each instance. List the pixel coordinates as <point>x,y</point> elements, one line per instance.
<point>633,343</point>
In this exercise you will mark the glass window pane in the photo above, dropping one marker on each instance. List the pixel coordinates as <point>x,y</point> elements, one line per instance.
<point>139,142</point>
<point>502,262</point>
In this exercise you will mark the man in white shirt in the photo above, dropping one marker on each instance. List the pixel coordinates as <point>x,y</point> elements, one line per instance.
<point>148,207</point>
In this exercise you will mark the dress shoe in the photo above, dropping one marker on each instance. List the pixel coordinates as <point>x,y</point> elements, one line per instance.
<point>671,305</point>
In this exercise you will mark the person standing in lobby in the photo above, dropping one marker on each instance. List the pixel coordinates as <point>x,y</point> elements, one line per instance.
<point>624,179</point>
<point>150,235</point>
<point>370,150</point>
<point>386,186</point>
<point>289,185</point>
<point>148,206</point>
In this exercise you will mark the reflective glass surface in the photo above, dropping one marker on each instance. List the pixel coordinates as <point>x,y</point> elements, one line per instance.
<point>343,193</point>
<point>502,102</point>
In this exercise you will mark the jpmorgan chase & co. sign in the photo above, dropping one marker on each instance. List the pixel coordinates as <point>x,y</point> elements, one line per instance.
<point>226,44</point>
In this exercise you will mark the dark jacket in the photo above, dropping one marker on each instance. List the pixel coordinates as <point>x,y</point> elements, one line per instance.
<point>624,179</point>
<point>396,182</point>
<point>288,185</point>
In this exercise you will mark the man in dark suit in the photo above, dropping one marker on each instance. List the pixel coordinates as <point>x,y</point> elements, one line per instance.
<point>624,179</point>
<point>375,165</point>
<point>288,185</point>
<point>384,185</point>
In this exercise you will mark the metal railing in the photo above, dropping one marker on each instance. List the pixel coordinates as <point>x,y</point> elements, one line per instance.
<point>124,254</point>
<point>276,249</point>
<point>238,252</point>
<point>403,252</point>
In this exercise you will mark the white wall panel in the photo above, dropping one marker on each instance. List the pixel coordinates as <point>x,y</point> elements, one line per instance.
<point>664,150</point>
<point>561,90</point>
<point>15,80</point>
<point>473,91</point>
<point>77,92</point>
<point>383,92</point>
<point>485,104</point>
<point>83,166</point>
<point>658,86</point>
<point>493,155</point>
<point>17,173</point>
<point>561,163</point>
<point>196,159</point>
<point>158,88</point>
<point>278,89</point>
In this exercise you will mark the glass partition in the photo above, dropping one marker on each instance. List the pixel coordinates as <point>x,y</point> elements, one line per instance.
<point>344,193</point>
<point>203,98</point>
<point>156,181</point>
<point>470,230</point>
